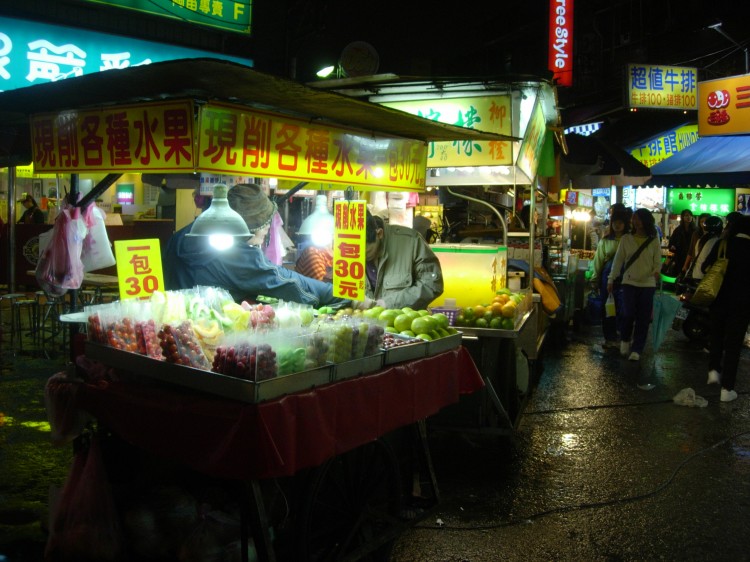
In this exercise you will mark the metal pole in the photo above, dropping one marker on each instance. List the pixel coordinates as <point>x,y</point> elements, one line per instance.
<point>12,229</point>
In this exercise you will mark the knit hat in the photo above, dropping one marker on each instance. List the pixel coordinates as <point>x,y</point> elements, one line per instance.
<point>253,205</point>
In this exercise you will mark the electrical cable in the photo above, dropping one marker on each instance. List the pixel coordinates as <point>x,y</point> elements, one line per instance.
<point>589,505</point>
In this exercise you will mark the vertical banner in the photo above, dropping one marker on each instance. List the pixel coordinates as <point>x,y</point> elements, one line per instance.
<point>561,41</point>
<point>349,246</point>
<point>139,267</point>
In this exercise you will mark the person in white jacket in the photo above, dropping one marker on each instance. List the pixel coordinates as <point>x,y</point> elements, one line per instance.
<point>639,279</point>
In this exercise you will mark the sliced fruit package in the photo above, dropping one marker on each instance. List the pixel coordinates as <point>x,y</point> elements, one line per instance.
<point>180,345</point>
<point>350,338</point>
<point>246,356</point>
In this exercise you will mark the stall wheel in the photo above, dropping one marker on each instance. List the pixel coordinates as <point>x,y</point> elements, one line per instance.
<point>351,506</point>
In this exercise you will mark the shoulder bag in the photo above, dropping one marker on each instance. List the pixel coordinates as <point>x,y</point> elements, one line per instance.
<point>709,287</point>
<point>631,261</point>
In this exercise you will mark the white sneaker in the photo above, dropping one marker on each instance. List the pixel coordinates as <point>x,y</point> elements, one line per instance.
<point>728,395</point>
<point>635,356</point>
<point>624,348</point>
<point>713,377</point>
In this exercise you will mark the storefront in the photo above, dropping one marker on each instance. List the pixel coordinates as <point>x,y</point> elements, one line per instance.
<point>177,103</point>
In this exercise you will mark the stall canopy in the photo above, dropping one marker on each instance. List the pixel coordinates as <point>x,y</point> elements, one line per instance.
<point>592,162</point>
<point>203,81</point>
<point>723,161</point>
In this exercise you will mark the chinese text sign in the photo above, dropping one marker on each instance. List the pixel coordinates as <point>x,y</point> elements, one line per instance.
<point>139,269</point>
<point>724,106</point>
<point>237,140</point>
<point>666,145</point>
<point>133,138</point>
<point>662,87</point>
<point>714,201</point>
<point>349,250</point>
<point>489,113</point>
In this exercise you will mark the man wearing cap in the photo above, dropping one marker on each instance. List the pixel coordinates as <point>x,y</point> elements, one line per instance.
<point>33,214</point>
<point>243,269</point>
<point>401,268</point>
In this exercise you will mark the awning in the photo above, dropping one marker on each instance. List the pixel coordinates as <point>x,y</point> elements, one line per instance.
<point>592,162</point>
<point>723,161</point>
<point>208,80</point>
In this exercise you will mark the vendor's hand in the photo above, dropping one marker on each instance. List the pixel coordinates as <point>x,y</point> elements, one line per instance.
<point>610,286</point>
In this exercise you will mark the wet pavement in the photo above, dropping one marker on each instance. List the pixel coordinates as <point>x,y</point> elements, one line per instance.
<point>598,468</point>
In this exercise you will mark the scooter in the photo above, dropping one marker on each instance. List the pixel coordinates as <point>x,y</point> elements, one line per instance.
<point>693,320</point>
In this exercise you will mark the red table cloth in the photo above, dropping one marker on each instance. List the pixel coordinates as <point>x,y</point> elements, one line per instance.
<point>233,439</point>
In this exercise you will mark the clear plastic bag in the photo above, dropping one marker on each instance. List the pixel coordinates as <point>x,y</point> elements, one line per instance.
<point>609,307</point>
<point>96,252</point>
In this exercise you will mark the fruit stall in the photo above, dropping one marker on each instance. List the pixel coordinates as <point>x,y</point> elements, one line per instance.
<point>281,402</point>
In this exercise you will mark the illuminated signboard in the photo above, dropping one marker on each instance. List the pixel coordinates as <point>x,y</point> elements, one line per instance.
<point>157,137</point>
<point>34,53</point>
<point>560,60</point>
<point>237,140</point>
<point>349,249</point>
<point>229,15</point>
<point>724,106</point>
<point>488,113</point>
<point>662,87</point>
<point>714,201</point>
<point>531,147</point>
<point>665,145</point>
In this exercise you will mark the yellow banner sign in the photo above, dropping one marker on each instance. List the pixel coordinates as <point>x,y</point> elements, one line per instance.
<point>139,267</point>
<point>489,113</point>
<point>126,138</point>
<point>237,140</point>
<point>349,250</point>
<point>662,87</point>
<point>724,106</point>
<point>662,147</point>
<point>531,147</point>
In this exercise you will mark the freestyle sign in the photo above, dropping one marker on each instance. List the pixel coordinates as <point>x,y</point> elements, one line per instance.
<point>231,15</point>
<point>561,41</point>
<point>34,53</point>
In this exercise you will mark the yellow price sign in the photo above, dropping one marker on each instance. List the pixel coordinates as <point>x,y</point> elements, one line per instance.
<point>139,269</point>
<point>349,248</point>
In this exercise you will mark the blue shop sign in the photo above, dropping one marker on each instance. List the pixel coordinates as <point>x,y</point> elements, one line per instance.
<point>35,53</point>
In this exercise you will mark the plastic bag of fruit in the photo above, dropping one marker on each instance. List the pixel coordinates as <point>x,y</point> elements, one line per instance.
<point>180,345</point>
<point>245,355</point>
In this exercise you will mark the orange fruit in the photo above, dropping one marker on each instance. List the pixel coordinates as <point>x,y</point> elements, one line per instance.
<point>497,308</point>
<point>508,310</point>
<point>479,311</point>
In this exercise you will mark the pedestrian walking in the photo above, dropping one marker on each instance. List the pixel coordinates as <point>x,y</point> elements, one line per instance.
<point>679,241</point>
<point>636,269</point>
<point>619,224</point>
<point>695,243</point>
<point>729,315</point>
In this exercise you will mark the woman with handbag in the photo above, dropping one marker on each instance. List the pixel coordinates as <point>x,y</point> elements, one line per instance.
<point>619,225</point>
<point>637,262</point>
<point>729,314</point>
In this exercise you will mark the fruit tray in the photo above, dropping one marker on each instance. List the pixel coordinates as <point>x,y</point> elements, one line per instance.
<point>414,349</point>
<point>443,344</point>
<point>357,367</point>
<point>207,381</point>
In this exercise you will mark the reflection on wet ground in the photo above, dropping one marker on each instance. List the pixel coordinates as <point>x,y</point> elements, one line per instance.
<point>598,468</point>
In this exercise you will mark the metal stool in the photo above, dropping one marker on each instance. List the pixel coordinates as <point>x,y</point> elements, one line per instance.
<point>49,310</point>
<point>8,298</point>
<point>17,327</point>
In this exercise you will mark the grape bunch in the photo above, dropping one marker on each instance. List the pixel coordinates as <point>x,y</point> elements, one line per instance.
<point>391,340</point>
<point>340,349</point>
<point>374,339</point>
<point>179,345</point>
<point>261,315</point>
<point>148,341</point>
<point>316,351</point>
<point>245,361</point>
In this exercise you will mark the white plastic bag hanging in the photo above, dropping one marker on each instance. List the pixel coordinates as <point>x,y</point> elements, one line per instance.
<point>96,252</point>
<point>609,306</point>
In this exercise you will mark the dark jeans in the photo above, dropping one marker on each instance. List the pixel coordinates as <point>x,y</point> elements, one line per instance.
<point>728,327</point>
<point>638,306</point>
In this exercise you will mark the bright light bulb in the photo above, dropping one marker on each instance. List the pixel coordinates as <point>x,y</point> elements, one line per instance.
<point>221,241</point>
<point>321,237</point>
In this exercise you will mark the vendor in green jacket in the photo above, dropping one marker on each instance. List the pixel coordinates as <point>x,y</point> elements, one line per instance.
<point>402,270</point>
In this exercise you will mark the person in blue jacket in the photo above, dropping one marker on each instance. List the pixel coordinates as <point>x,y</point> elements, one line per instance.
<point>243,269</point>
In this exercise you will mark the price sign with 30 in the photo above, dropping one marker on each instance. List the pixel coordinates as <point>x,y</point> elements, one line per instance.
<point>139,267</point>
